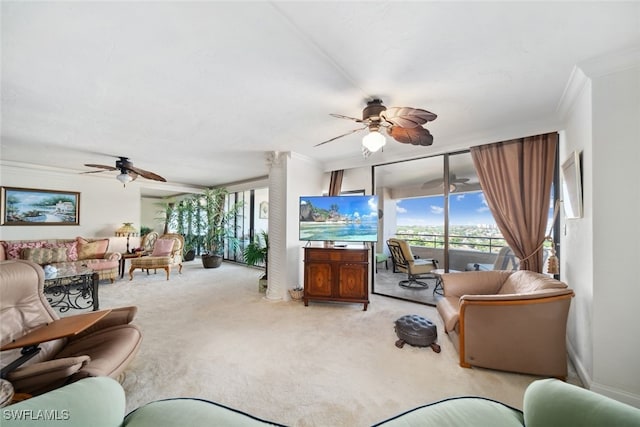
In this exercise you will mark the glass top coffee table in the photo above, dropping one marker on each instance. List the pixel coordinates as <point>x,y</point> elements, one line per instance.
<point>72,286</point>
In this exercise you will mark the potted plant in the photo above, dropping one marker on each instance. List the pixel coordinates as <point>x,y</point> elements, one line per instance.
<point>187,224</point>
<point>219,226</point>
<point>257,253</point>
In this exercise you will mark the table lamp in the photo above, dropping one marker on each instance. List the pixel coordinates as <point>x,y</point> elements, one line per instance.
<point>127,230</point>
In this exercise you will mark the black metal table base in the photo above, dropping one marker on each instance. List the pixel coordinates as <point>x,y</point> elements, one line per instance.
<point>78,292</point>
<point>27,353</point>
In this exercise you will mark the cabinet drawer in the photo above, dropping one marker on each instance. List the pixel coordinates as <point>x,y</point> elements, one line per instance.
<point>320,254</point>
<point>353,256</point>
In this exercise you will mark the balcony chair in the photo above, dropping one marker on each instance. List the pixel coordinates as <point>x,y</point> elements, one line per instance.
<point>104,349</point>
<point>405,262</point>
<point>505,260</point>
<point>167,252</point>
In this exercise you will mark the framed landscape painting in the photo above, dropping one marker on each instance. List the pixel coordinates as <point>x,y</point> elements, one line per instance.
<point>27,206</point>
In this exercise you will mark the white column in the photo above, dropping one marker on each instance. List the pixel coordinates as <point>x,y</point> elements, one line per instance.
<point>277,289</point>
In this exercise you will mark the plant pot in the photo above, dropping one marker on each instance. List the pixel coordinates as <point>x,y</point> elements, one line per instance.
<point>189,255</point>
<point>263,284</point>
<point>211,261</point>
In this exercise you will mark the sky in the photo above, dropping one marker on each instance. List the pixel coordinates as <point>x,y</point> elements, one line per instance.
<point>464,209</point>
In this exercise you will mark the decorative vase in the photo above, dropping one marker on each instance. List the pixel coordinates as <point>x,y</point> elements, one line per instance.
<point>211,261</point>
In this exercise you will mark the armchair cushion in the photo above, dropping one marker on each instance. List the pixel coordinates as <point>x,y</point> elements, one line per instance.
<point>163,247</point>
<point>45,376</point>
<point>524,281</point>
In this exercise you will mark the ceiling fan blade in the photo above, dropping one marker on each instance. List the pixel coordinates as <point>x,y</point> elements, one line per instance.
<point>340,116</point>
<point>109,168</point>
<point>340,136</point>
<point>407,117</point>
<point>434,183</point>
<point>143,173</point>
<point>413,136</point>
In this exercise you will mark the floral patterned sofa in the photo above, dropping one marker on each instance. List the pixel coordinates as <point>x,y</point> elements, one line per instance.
<point>80,251</point>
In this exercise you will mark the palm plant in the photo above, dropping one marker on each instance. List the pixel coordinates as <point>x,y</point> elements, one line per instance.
<point>219,221</point>
<point>257,252</point>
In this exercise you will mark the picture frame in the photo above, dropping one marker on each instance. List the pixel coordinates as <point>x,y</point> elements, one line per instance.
<point>30,206</point>
<point>263,212</point>
<point>572,186</point>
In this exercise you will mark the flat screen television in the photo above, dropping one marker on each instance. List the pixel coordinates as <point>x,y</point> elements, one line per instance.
<point>339,218</point>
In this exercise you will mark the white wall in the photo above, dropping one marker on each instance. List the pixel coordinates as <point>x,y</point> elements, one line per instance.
<point>600,250</point>
<point>576,235</point>
<point>616,233</point>
<point>150,214</point>
<point>104,205</point>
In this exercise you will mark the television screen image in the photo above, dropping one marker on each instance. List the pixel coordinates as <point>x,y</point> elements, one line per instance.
<point>339,218</point>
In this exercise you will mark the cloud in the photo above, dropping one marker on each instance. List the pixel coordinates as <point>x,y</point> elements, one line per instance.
<point>400,209</point>
<point>372,204</point>
<point>485,205</point>
<point>438,210</point>
<point>459,197</point>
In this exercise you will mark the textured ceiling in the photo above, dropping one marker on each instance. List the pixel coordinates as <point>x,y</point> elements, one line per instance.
<point>200,92</point>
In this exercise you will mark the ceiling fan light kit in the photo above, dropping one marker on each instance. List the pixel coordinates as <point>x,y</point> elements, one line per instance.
<point>373,141</point>
<point>404,124</point>
<point>124,178</point>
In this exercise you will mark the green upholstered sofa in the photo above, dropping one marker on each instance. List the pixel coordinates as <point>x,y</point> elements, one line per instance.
<point>100,402</point>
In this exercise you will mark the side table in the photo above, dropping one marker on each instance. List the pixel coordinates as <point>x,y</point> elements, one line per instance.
<point>124,256</point>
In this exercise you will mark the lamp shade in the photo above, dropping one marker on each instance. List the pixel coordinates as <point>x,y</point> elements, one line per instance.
<point>373,141</point>
<point>124,178</point>
<point>126,230</point>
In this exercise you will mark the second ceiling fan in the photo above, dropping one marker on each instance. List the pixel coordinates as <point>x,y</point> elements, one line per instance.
<point>404,124</point>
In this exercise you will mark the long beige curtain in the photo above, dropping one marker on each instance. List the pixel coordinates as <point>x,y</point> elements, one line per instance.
<point>516,178</point>
<point>335,182</point>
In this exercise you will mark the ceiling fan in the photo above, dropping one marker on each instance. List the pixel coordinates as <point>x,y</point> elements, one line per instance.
<point>404,124</point>
<point>454,183</point>
<point>128,172</point>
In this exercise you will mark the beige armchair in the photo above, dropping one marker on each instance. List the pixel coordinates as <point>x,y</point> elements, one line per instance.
<point>507,320</point>
<point>167,252</point>
<point>405,262</point>
<point>104,349</point>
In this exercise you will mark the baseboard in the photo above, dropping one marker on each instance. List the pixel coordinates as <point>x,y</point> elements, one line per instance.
<point>587,382</point>
<point>584,376</point>
<point>619,395</point>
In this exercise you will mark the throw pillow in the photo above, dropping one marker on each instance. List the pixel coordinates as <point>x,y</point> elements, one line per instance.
<point>92,250</point>
<point>12,250</point>
<point>44,255</point>
<point>163,247</point>
<point>72,249</point>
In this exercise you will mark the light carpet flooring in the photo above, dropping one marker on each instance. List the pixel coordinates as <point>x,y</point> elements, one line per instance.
<point>208,333</point>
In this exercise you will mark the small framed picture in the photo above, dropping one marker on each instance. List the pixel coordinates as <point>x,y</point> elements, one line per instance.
<point>572,186</point>
<point>264,210</point>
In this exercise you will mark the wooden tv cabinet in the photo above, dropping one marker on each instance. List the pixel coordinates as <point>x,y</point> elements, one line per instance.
<point>336,274</point>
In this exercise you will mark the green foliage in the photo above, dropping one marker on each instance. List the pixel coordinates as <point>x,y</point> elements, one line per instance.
<point>219,221</point>
<point>257,252</point>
